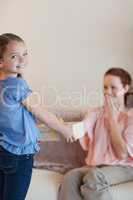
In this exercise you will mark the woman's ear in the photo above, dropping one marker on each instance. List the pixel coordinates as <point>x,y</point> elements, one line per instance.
<point>126,88</point>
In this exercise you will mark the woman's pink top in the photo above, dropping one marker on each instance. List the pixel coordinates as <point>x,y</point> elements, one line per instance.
<point>97,142</point>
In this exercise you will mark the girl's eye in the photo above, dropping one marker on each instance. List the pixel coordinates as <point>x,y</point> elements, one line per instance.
<point>13,56</point>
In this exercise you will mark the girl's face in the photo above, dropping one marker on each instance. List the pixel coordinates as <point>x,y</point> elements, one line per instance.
<point>14,59</point>
<point>114,87</point>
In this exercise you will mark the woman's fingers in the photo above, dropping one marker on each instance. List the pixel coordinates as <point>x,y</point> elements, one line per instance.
<point>111,106</point>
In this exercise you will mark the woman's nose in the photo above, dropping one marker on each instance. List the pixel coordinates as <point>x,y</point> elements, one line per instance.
<point>108,91</point>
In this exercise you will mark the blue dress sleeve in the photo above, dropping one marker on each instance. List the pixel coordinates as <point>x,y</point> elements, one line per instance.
<point>22,90</point>
<point>16,91</point>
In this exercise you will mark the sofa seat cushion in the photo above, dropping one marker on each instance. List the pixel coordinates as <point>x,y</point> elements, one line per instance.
<point>122,191</point>
<point>44,185</point>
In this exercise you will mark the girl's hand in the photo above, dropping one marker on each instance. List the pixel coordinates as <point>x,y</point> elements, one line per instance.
<point>76,131</point>
<point>69,134</point>
<point>69,131</point>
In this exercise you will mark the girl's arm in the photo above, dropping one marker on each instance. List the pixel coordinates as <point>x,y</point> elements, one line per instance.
<point>87,129</point>
<point>117,141</point>
<point>47,117</point>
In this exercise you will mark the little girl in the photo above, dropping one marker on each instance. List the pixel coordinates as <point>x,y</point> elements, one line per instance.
<point>108,138</point>
<point>18,131</point>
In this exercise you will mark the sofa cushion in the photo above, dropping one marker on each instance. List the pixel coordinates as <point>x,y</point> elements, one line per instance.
<point>59,156</point>
<point>56,154</point>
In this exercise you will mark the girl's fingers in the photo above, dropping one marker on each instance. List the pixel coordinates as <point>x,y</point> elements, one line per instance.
<point>71,139</point>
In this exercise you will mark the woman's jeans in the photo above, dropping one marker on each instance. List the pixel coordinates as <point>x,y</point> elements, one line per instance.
<point>15,175</point>
<point>94,183</point>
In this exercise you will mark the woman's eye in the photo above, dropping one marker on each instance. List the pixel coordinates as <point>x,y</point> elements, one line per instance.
<point>105,88</point>
<point>113,88</point>
<point>25,54</point>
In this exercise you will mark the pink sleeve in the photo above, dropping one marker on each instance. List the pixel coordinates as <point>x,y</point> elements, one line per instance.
<point>128,134</point>
<point>89,123</point>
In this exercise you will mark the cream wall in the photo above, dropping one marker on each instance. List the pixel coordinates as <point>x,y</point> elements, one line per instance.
<point>71,43</point>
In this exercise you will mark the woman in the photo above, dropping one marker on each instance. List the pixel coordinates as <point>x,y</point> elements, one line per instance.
<point>108,138</point>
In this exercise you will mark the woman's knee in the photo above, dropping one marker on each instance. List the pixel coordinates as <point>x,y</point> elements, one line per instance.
<point>75,175</point>
<point>95,179</point>
<point>71,176</point>
<point>95,185</point>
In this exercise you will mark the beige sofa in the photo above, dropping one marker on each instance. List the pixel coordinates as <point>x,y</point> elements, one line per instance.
<point>45,183</point>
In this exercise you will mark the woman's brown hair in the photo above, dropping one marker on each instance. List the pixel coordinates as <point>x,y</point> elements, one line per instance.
<point>124,76</point>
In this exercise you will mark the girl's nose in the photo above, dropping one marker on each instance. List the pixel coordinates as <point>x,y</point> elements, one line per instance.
<point>21,59</point>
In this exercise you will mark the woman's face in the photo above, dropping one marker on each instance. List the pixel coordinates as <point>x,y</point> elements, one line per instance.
<point>113,86</point>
